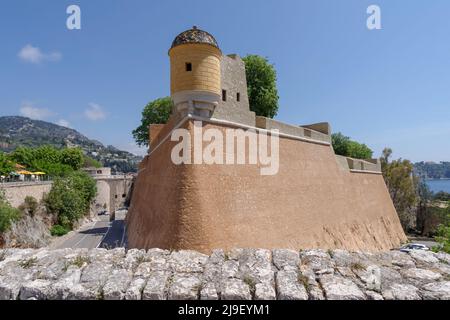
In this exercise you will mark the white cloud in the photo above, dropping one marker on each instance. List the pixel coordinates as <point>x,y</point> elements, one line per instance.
<point>35,55</point>
<point>28,110</point>
<point>64,123</point>
<point>94,112</point>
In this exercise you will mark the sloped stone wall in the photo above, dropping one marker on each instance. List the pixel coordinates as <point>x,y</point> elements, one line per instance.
<point>240,274</point>
<point>310,203</point>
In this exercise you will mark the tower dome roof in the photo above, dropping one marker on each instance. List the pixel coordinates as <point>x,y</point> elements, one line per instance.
<point>194,35</point>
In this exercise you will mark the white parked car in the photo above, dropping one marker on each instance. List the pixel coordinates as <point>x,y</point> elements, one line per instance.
<point>414,246</point>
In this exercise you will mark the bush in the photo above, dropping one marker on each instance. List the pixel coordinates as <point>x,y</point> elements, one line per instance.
<point>443,238</point>
<point>58,230</point>
<point>8,214</point>
<point>343,146</point>
<point>70,197</point>
<point>29,206</point>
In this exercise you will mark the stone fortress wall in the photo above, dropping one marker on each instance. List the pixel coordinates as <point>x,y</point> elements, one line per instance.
<point>240,274</point>
<point>311,202</point>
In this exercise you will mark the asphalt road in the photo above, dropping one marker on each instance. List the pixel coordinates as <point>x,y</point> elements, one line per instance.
<point>103,234</point>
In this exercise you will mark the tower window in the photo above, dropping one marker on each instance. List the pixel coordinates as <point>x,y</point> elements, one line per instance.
<point>238,97</point>
<point>188,66</point>
<point>224,95</point>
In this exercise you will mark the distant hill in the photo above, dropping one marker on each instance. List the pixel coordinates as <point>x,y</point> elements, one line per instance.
<point>18,131</point>
<point>433,170</point>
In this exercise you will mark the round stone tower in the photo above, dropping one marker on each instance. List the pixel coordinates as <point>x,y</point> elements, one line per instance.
<point>195,60</point>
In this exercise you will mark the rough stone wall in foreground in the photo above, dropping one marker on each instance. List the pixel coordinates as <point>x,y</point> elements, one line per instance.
<point>238,274</point>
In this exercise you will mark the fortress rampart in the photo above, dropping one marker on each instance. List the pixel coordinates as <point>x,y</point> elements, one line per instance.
<point>313,201</point>
<point>316,199</point>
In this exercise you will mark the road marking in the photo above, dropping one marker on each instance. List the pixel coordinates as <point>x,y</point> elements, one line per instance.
<point>106,233</point>
<point>88,234</point>
<point>77,243</point>
<point>124,230</point>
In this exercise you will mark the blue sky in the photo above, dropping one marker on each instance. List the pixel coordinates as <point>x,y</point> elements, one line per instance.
<point>388,87</point>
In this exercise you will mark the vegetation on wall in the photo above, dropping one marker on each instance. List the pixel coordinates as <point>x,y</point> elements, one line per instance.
<point>155,112</point>
<point>70,197</point>
<point>261,86</point>
<point>344,146</point>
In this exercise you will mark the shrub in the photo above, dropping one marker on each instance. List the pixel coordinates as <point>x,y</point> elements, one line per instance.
<point>443,238</point>
<point>343,146</point>
<point>8,214</point>
<point>29,206</point>
<point>58,230</point>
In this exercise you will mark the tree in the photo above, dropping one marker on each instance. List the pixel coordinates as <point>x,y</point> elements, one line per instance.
<point>155,112</point>
<point>72,157</point>
<point>443,238</point>
<point>53,161</point>
<point>6,165</point>
<point>343,146</point>
<point>424,212</point>
<point>70,197</point>
<point>402,186</point>
<point>261,86</point>
<point>89,162</point>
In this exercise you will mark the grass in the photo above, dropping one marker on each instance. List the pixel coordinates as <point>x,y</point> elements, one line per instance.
<point>304,280</point>
<point>251,283</point>
<point>330,253</point>
<point>357,266</point>
<point>79,262</point>
<point>28,263</point>
<point>141,259</point>
<point>3,255</point>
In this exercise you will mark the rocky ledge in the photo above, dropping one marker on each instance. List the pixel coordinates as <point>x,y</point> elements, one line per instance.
<point>241,274</point>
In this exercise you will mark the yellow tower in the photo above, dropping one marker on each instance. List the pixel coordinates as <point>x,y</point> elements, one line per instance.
<point>195,85</point>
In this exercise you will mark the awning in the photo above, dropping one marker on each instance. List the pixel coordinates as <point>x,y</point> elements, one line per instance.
<point>24,172</point>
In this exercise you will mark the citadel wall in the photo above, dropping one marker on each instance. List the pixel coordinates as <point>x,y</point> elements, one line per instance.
<point>311,203</point>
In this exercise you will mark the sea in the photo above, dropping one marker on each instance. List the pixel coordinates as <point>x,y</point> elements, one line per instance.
<point>439,185</point>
